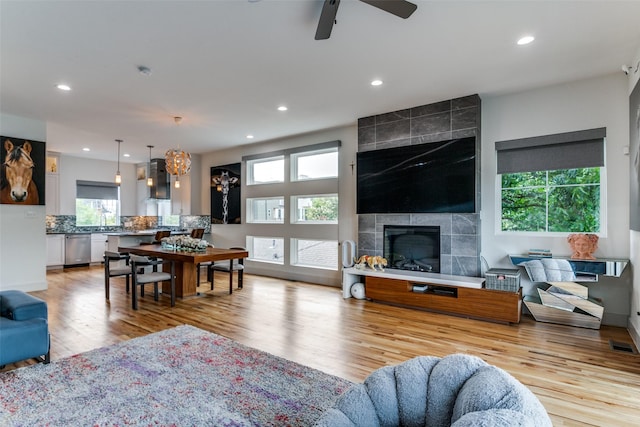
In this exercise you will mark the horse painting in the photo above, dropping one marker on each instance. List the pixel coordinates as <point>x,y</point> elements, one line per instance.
<point>18,186</point>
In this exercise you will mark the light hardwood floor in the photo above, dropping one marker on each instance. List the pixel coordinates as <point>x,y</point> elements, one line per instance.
<point>573,371</point>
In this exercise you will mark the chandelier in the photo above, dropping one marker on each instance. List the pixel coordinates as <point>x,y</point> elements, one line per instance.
<point>177,161</point>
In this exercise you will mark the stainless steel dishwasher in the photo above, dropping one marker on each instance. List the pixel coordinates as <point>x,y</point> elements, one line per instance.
<point>77,249</point>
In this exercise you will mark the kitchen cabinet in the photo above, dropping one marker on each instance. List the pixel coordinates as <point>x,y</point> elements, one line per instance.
<point>55,250</point>
<point>98,246</point>
<point>52,185</point>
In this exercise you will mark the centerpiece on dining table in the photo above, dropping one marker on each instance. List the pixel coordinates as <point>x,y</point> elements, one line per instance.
<point>184,243</point>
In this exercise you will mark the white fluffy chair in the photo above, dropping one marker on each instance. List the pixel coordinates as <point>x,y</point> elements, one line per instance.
<point>458,390</point>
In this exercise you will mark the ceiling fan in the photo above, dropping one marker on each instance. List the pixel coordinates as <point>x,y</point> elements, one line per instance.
<point>400,8</point>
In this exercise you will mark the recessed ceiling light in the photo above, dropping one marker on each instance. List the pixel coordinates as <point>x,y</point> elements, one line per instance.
<point>126,155</point>
<point>249,136</point>
<point>282,108</point>
<point>63,86</point>
<point>376,82</point>
<point>86,149</point>
<point>526,40</point>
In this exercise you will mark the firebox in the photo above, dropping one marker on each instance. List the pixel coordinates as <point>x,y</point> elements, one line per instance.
<point>412,247</point>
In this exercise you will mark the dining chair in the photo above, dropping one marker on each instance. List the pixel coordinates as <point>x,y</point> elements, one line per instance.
<point>228,267</point>
<point>114,268</point>
<point>160,234</point>
<point>197,233</point>
<point>140,276</point>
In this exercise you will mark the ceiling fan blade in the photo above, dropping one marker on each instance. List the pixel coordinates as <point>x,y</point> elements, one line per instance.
<point>327,18</point>
<point>400,8</point>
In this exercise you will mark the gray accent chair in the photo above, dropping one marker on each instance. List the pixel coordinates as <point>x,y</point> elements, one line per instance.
<point>458,390</point>
<point>115,270</point>
<point>140,276</point>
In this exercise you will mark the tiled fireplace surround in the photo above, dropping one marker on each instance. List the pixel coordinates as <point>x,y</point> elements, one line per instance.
<point>441,121</point>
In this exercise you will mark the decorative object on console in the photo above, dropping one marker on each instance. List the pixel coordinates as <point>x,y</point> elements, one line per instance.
<point>348,253</point>
<point>225,194</point>
<point>357,290</point>
<point>503,279</point>
<point>566,303</point>
<point>583,245</point>
<point>372,261</point>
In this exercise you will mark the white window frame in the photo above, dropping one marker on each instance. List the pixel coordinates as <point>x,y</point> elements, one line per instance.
<point>250,216</point>
<point>293,213</point>
<point>251,173</point>
<point>295,157</point>
<point>294,254</point>
<point>250,249</point>
<point>603,212</point>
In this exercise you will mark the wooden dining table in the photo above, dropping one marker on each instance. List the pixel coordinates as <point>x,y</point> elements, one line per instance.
<point>186,263</point>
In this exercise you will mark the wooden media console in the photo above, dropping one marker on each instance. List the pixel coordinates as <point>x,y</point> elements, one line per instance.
<point>457,295</point>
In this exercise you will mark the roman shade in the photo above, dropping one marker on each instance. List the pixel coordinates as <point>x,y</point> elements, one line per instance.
<point>570,150</point>
<point>294,150</point>
<point>96,190</point>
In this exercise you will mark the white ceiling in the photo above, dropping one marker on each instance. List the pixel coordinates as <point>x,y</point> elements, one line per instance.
<point>226,65</point>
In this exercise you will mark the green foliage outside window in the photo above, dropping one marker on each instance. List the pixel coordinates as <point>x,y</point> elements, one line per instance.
<point>322,209</point>
<point>552,201</point>
<point>96,212</point>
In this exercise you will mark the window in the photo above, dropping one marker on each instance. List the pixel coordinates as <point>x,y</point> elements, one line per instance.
<point>552,183</point>
<point>315,209</point>
<point>266,249</point>
<point>315,253</point>
<point>265,210</point>
<point>300,207</point>
<point>164,213</point>
<point>314,164</point>
<point>552,201</point>
<point>265,171</point>
<point>97,204</point>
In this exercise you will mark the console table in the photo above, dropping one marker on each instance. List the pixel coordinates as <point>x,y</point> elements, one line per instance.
<point>457,295</point>
<point>586,270</point>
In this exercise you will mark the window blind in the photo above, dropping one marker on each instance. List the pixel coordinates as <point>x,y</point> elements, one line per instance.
<point>96,190</point>
<point>570,150</point>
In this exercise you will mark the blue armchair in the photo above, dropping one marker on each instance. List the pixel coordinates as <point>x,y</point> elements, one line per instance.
<point>24,329</point>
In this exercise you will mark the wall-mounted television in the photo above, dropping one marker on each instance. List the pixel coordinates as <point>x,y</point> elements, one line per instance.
<point>424,178</point>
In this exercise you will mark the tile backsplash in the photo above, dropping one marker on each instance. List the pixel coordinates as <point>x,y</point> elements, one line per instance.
<point>67,224</point>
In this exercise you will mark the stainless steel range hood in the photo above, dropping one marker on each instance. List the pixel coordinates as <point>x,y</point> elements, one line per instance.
<point>161,188</point>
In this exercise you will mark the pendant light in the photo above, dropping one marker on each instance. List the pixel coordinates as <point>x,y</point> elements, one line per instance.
<point>118,177</point>
<point>178,162</point>
<point>149,179</point>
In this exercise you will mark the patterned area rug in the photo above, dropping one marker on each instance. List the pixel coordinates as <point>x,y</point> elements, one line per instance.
<point>178,377</point>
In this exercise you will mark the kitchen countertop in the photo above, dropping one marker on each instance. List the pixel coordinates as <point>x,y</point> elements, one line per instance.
<point>141,233</point>
<point>118,233</point>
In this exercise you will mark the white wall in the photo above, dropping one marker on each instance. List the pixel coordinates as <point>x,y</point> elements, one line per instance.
<point>23,248</point>
<point>71,169</point>
<point>234,235</point>
<point>586,104</point>
<point>634,315</point>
